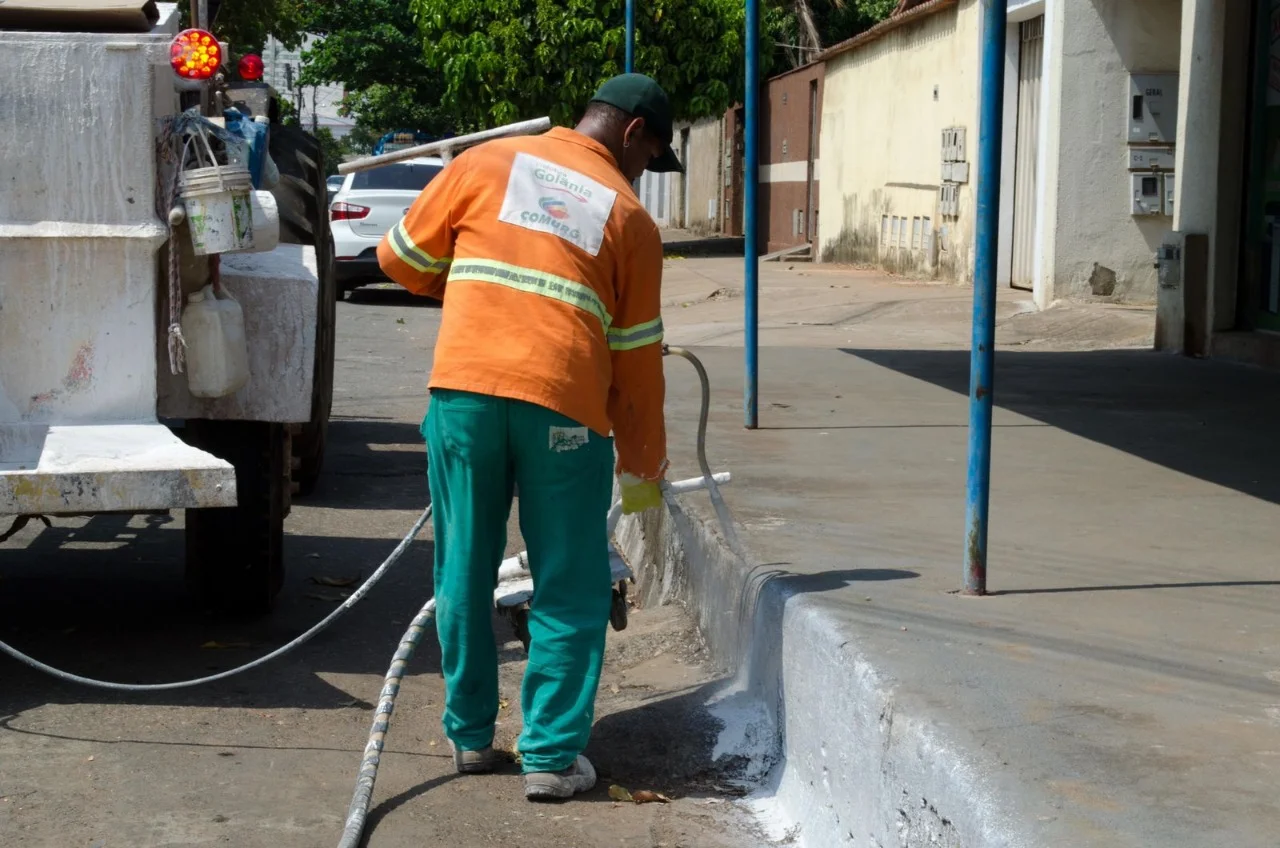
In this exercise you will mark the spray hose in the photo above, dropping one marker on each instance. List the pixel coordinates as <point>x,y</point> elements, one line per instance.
<point>358,811</point>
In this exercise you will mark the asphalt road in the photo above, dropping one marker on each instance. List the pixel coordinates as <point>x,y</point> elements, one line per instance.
<point>269,758</point>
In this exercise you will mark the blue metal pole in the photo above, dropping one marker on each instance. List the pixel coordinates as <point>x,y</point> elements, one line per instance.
<point>631,36</point>
<point>751,174</point>
<point>982,352</point>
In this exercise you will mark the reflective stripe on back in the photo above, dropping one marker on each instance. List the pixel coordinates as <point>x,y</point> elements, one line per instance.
<point>630,338</point>
<point>414,256</point>
<point>534,282</point>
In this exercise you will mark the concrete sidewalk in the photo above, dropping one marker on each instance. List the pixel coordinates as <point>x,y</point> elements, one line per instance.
<point>1122,688</point>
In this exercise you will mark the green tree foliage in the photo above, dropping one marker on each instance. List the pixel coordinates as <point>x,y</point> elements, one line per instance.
<point>373,50</point>
<point>507,60</point>
<point>822,23</point>
<point>246,24</point>
<point>332,148</point>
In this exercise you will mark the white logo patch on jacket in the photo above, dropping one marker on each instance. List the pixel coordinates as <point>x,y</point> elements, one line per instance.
<point>548,198</point>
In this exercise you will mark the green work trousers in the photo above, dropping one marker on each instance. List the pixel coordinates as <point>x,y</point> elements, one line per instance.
<point>478,448</point>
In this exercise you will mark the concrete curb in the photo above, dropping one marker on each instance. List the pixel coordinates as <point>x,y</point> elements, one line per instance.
<point>850,760</point>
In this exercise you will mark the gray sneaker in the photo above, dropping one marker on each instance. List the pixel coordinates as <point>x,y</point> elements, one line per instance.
<point>558,785</point>
<point>475,762</point>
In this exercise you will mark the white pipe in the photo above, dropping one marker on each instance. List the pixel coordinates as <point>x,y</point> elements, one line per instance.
<point>515,567</point>
<point>447,147</point>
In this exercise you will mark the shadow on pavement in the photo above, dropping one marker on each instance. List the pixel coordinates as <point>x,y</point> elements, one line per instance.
<point>1208,419</point>
<point>373,465</point>
<point>1067,590</point>
<point>389,294</point>
<point>106,598</point>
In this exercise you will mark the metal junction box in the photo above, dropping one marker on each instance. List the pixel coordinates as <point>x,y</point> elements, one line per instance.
<point>1153,108</point>
<point>1151,159</point>
<point>1148,194</point>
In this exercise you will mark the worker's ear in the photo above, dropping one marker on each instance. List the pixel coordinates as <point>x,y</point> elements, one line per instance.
<point>633,133</point>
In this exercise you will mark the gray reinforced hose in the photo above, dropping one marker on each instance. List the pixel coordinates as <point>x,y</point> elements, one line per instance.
<point>358,811</point>
<point>717,501</point>
<point>329,619</point>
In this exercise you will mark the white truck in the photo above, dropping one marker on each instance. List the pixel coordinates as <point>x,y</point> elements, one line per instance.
<point>92,418</point>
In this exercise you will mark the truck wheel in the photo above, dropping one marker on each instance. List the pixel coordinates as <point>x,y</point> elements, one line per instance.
<point>235,555</point>
<point>302,197</point>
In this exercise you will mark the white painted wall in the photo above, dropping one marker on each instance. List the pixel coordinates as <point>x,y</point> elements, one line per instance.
<point>1199,129</point>
<point>881,140</point>
<point>1097,45</point>
<point>78,229</point>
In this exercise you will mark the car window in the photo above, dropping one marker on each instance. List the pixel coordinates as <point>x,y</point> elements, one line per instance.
<point>410,176</point>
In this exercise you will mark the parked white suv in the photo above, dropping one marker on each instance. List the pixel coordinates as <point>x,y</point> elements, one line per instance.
<point>368,205</point>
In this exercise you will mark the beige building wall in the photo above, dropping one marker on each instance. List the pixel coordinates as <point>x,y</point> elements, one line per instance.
<point>698,193</point>
<point>886,104</point>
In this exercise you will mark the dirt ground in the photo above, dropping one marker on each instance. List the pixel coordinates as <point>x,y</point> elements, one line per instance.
<point>269,758</point>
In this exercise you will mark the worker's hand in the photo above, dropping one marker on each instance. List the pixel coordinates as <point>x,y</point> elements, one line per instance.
<point>638,495</point>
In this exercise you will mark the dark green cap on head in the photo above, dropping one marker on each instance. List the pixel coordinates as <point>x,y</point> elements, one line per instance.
<point>641,97</point>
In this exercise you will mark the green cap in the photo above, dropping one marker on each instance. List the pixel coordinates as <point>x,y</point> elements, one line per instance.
<point>641,97</point>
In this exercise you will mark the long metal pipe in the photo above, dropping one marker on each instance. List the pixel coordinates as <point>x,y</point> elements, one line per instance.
<point>446,146</point>
<point>750,178</point>
<point>987,236</point>
<point>631,36</point>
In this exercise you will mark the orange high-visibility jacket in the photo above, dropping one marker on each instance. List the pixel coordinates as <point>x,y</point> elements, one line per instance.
<point>550,271</point>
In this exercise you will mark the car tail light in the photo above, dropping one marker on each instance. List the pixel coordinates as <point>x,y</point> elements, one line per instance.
<point>251,68</point>
<point>347,212</point>
<point>195,55</point>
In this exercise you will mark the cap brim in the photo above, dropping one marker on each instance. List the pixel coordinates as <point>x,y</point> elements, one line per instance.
<point>666,163</point>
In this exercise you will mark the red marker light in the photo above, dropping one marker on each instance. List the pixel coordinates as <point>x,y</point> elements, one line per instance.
<point>195,55</point>
<point>347,212</point>
<point>251,68</point>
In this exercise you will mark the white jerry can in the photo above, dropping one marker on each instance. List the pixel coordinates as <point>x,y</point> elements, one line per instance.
<point>217,350</point>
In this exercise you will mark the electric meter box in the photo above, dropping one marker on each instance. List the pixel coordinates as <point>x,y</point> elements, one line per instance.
<point>1153,108</point>
<point>1151,159</point>
<point>1148,194</point>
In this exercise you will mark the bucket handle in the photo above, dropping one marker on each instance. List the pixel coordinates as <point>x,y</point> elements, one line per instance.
<point>213,160</point>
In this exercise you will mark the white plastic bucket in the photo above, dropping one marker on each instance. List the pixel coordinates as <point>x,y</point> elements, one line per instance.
<point>219,209</point>
<point>266,223</point>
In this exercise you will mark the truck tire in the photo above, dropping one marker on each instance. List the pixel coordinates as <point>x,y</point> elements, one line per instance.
<point>235,555</point>
<point>302,198</point>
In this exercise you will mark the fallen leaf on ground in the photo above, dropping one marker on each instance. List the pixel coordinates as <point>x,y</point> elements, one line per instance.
<point>645,796</point>
<point>217,646</point>
<point>336,582</point>
<point>399,320</point>
<point>91,759</point>
<point>619,793</point>
<point>503,703</point>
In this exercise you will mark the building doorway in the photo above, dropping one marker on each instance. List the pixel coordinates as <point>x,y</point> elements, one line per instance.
<point>1027,153</point>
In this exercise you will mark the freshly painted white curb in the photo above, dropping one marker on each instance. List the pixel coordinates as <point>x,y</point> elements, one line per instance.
<point>841,758</point>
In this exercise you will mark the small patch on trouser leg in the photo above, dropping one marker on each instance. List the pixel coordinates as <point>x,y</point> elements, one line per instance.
<point>568,438</point>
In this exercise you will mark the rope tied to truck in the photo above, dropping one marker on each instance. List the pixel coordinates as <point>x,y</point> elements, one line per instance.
<point>174,147</point>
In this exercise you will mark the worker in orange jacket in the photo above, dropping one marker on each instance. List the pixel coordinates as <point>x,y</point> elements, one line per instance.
<point>550,271</point>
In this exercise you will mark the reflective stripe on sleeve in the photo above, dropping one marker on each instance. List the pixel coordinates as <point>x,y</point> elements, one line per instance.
<point>532,281</point>
<point>414,256</point>
<point>630,338</point>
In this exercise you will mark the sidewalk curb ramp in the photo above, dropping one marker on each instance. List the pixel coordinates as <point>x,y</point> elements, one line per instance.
<point>845,758</point>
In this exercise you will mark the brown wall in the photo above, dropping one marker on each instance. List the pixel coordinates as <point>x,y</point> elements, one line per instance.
<point>791,114</point>
<point>787,133</point>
